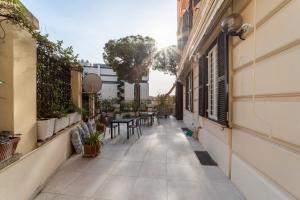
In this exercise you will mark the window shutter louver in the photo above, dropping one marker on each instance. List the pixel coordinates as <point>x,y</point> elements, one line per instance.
<point>205,80</point>
<point>192,92</point>
<point>222,79</point>
<point>186,93</point>
<point>202,85</point>
<point>190,15</point>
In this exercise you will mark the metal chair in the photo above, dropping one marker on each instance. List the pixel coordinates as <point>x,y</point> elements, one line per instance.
<point>136,125</point>
<point>157,117</point>
<point>106,120</point>
<point>144,119</point>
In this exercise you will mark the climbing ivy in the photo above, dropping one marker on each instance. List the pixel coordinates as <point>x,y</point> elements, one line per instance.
<point>54,63</point>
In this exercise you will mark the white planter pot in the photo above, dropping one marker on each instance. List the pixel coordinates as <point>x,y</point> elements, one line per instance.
<point>78,117</point>
<point>45,128</point>
<point>72,118</point>
<point>61,123</point>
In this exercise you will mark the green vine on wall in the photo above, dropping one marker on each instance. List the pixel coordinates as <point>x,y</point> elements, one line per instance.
<point>14,11</point>
<point>54,63</point>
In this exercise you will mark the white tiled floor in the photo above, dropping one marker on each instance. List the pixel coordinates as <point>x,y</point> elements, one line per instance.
<point>161,165</point>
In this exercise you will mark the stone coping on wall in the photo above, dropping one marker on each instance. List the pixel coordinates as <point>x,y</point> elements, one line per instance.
<point>19,157</point>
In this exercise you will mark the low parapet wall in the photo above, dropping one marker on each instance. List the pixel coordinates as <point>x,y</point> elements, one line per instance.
<point>23,179</point>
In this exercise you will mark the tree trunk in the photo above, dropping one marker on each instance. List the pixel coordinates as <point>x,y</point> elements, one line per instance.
<point>170,91</point>
<point>137,94</point>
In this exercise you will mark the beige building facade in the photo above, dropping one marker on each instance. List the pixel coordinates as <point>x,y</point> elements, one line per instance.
<point>243,96</point>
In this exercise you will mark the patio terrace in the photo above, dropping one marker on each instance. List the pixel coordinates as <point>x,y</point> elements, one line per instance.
<point>159,165</point>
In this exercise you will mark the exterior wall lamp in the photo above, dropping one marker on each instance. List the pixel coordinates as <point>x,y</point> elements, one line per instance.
<point>233,25</point>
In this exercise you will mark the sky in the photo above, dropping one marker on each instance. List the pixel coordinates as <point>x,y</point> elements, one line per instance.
<point>88,24</point>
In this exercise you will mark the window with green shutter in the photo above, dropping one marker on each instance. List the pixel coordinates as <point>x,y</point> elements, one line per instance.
<point>213,81</point>
<point>189,92</point>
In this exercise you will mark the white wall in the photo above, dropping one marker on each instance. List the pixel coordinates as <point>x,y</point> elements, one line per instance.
<point>144,91</point>
<point>129,91</point>
<point>109,91</point>
<point>107,71</point>
<point>91,70</point>
<point>109,78</point>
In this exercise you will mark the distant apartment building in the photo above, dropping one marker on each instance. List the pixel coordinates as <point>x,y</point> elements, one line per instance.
<point>243,95</point>
<point>112,87</point>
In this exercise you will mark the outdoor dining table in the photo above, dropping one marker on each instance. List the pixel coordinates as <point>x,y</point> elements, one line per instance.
<point>121,121</point>
<point>149,114</point>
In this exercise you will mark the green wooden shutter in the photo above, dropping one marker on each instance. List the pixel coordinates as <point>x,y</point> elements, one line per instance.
<point>192,95</point>
<point>222,79</point>
<point>186,93</point>
<point>202,84</point>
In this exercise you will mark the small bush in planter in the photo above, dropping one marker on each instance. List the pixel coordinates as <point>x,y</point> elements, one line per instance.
<point>73,112</point>
<point>100,127</point>
<point>92,145</point>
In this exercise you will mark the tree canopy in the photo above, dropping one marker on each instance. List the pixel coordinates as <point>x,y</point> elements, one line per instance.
<point>130,57</point>
<point>166,60</point>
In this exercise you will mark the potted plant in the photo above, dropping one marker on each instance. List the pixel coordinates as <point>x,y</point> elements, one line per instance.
<point>101,127</point>
<point>45,125</point>
<point>45,128</point>
<point>106,105</point>
<point>8,144</point>
<point>92,145</point>
<point>73,114</point>
<point>61,122</point>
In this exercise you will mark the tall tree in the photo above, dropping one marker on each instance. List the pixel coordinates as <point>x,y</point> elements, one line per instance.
<point>130,57</point>
<point>166,60</point>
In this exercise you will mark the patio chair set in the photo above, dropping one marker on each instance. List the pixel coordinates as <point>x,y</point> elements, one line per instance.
<point>133,124</point>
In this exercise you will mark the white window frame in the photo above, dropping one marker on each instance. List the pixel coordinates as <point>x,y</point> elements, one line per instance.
<point>212,84</point>
<point>190,93</point>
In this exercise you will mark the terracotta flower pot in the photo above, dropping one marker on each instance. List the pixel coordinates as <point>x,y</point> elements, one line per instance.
<point>101,127</point>
<point>91,151</point>
<point>8,148</point>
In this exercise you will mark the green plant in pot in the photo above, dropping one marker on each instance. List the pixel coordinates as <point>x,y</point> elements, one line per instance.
<point>92,145</point>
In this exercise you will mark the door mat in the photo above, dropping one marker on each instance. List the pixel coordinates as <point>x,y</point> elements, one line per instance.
<point>205,158</point>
